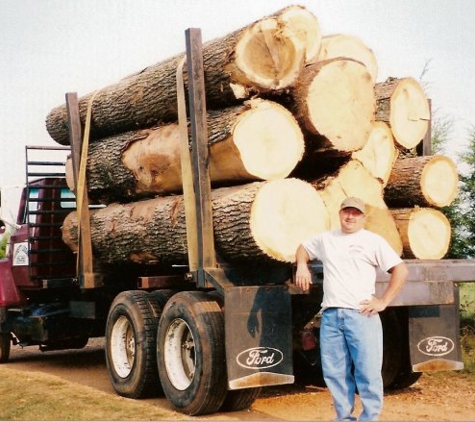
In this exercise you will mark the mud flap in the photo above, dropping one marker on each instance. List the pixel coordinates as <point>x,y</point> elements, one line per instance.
<point>258,326</point>
<point>434,337</point>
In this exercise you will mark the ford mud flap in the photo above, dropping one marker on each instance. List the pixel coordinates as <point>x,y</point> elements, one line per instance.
<point>258,325</point>
<point>434,338</point>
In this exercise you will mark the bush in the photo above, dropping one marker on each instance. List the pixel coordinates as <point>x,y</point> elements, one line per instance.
<point>467,325</point>
<point>3,245</point>
<point>467,340</point>
<point>467,304</point>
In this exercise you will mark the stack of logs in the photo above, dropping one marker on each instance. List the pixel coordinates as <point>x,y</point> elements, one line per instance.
<point>296,123</point>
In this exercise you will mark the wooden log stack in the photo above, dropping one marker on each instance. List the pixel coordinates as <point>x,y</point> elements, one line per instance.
<point>317,129</point>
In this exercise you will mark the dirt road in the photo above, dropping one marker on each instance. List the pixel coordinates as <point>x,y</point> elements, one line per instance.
<point>437,397</point>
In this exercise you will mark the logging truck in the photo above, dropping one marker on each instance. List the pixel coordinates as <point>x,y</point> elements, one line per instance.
<point>208,333</point>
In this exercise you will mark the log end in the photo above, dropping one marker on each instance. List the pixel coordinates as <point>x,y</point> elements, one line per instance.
<point>410,113</point>
<point>351,47</point>
<point>439,181</point>
<point>269,140</point>
<point>268,55</point>
<point>426,232</point>
<point>337,101</point>
<point>379,153</point>
<point>307,29</point>
<point>284,214</point>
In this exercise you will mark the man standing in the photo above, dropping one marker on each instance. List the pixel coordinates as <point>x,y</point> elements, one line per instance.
<point>351,337</point>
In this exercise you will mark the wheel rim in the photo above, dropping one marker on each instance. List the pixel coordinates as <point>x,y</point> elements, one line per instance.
<point>123,347</point>
<point>179,354</point>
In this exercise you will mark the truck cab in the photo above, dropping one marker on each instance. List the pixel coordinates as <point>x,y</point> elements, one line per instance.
<point>38,284</point>
<point>37,254</point>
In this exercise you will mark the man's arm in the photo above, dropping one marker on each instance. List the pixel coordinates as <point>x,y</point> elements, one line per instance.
<point>396,281</point>
<point>303,278</point>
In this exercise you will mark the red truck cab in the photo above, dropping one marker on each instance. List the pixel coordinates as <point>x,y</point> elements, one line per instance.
<point>36,253</point>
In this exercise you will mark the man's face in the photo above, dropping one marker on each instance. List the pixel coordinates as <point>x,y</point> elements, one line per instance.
<point>351,220</point>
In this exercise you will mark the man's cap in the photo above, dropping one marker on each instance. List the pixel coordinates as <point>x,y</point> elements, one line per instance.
<point>353,202</point>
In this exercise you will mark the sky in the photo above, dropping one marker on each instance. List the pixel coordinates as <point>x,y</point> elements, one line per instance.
<point>51,47</point>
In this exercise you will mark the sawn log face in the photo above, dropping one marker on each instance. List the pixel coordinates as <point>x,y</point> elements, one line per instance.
<point>428,181</point>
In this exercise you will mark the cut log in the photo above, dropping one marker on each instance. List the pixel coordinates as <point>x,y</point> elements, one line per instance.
<point>379,154</point>
<point>305,25</point>
<point>263,57</point>
<point>260,222</point>
<point>335,99</point>
<point>428,181</point>
<point>402,104</point>
<point>353,179</point>
<point>350,47</point>
<point>425,232</point>
<point>260,140</point>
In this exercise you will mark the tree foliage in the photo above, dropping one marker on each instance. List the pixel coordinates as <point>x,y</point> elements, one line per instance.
<point>461,213</point>
<point>467,198</point>
<point>3,244</point>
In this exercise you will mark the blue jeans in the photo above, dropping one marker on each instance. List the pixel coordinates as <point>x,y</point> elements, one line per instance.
<point>349,339</point>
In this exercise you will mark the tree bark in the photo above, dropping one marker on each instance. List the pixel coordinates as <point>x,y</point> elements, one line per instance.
<point>352,179</point>
<point>350,47</point>
<point>428,181</point>
<point>402,104</point>
<point>260,140</point>
<point>260,221</point>
<point>379,154</point>
<point>335,99</point>
<point>266,56</point>
<point>425,232</point>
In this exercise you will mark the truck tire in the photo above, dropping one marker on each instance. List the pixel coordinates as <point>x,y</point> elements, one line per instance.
<point>5,344</point>
<point>130,344</point>
<point>240,399</point>
<point>191,353</point>
<point>405,378</point>
<point>162,296</point>
<point>392,346</point>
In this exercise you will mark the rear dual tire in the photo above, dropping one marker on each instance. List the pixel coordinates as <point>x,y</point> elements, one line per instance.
<point>182,356</point>
<point>191,354</point>
<point>130,344</point>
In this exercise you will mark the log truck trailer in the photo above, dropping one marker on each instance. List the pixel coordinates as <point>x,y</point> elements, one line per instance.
<point>208,335</point>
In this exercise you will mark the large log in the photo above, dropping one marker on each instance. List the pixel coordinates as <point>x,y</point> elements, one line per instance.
<point>352,179</point>
<point>379,154</point>
<point>428,181</point>
<point>260,140</point>
<point>402,104</point>
<point>425,232</point>
<point>335,99</point>
<point>306,27</point>
<point>266,56</point>
<point>350,47</point>
<point>260,222</point>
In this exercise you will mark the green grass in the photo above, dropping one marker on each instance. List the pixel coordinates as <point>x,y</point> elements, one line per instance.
<point>467,304</point>
<point>467,325</point>
<point>38,396</point>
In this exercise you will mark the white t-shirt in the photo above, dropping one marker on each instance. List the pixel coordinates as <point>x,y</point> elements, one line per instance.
<point>349,265</point>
